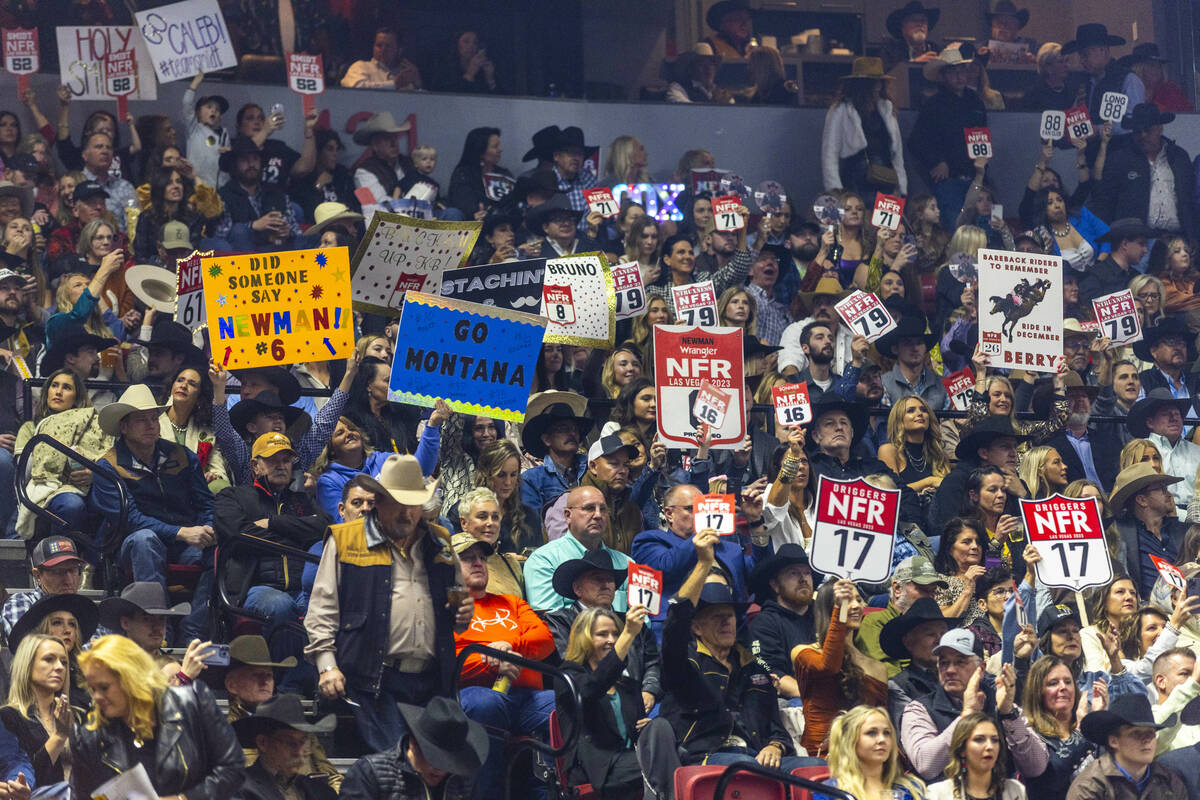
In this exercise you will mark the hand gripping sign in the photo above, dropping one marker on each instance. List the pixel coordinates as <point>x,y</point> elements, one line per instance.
<point>1112,106</point>
<point>601,201</point>
<point>958,387</point>
<point>855,530</point>
<point>979,142</point>
<point>1079,123</point>
<point>695,304</point>
<point>711,405</point>
<point>1118,317</point>
<point>1054,124</point>
<point>645,588</point>
<point>21,55</point>
<point>1068,533</point>
<point>628,290</point>
<point>889,211</point>
<point>716,512</point>
<point>792,404</point>
<point>725,213</point>
<point>865,314</point>
<point>306,77</point>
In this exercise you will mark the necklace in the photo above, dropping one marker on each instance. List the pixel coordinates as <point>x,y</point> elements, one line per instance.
<point>1064,232</point>
<point>915,459</point>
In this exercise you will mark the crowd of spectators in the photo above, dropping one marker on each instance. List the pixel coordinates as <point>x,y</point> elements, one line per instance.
<point>344,549</point>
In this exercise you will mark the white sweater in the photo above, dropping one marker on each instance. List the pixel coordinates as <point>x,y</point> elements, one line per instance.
<point>843,137</point>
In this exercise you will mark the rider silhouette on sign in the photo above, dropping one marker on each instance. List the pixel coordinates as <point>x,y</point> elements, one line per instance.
<point>1018,303</point>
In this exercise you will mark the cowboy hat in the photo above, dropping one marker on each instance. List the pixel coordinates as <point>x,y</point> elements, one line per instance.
<point>1145,115</point>
<point>1133,479</point>
<point>154,286</point>
<point>540,181</point>
<point>717,12</point>
<point>951,56</point>
<point>328,213</point>
<point>536,217</point>
<point>1153,334</point>
<point>765,571</point>
<point>383,122</point>
<point>1146,51</point>
<point>543,144</point>
<point>828,284</point>
<point>911,324</point>
<point>148,597</point>
<point>856,411</point>
<point>448,740</point>
<point>700,51</point>
<point>1001,7</point>
<point>68,340</point>
<point>1150,405</point>
<point>1071,380</point>
<point>568,138</point>
<point>169,334</point>
<point>286,385</point>
<point>281,711</point>
<point>83,609</point>
<point>984,432</point>
<point>866,68</point>
<point>251,650</point>
<point>896,19</point>
<point>240,146</point>
<point>546,408</point>
<point>22,193</point>
<point>401,480</point>
<point>245,410</point>
<point>136,398</point>
<point>1128,709</point>
<point>720,594</point>
<point>1091,34</point>
<point>923,609</point>
<point>498,218</point>
<point>570,571</point>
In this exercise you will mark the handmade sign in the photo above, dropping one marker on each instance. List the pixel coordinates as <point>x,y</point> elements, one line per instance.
<point>189,302</point>
<point>959,386</point>
<point>401,254</point>
<point>865,314</point>
<point>1068,533</point>
<point>792,404</point>
<point>1020,309</point>
<point>1054,124</point>
<point>516,285</point>
<point>726,216</point>
<point>645,588</point>
<point>711,405</point>
<point>186,38</point>
<point>278,308</point>
<point>600,201</point>
<point>1118,317</point>
<point>577,297</point>
<point>83,50</point>
<point>629,293</point>
<point>715,512</point>
<point>1112,106</point>
<point>120,78</point>
<point>695,304</point>
<point>1079,122</point>
<point>479,359</point>
<point>1169,572</point>
<point>21,55</point>
<point>979,142</point>
<point>684,358</point>
<point>855,530</point>
<point>306,77</point>
<point>889,211</point>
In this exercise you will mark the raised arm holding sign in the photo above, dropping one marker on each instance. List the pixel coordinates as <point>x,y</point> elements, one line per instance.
<point>1068,534</point>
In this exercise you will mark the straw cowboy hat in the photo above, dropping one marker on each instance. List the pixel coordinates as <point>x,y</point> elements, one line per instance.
<point>383,122</point>
<point>154,286</point>
<point>136,398</point>
<point>331,212</point>
<point>401,480</point>
<point>867,69</point>
<point>1133,479</point>
<point>951,56</point>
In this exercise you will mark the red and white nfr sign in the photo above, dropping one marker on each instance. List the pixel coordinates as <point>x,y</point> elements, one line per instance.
<point>684,358</point>
<point>1070,537</point>
<point>855,530</point>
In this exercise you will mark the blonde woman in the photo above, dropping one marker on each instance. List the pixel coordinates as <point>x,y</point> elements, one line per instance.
<point>737,309</point>
<point>375,346</point>
<point>864,758</point>
<point>1043,471</point>
<point>479,515</point>
<point>994,395</point>
<point>38,711</point>
<point>1150,295</point>
<point>914,447</point>
<point>622,366</point>
<point>626,162</point>
<point>643,244</point>
<point>967,239</point>
<point>1139,450</point>
<point>1179,278</point>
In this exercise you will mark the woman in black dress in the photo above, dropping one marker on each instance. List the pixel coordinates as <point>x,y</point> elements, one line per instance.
<point>914,447</point>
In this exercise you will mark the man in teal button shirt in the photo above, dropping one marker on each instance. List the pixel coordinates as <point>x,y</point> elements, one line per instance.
<point>587,520</point>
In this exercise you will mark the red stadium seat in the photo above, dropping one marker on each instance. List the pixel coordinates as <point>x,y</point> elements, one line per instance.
<point>582,791</point>
<point>813,774</point>
<point>700,783</point>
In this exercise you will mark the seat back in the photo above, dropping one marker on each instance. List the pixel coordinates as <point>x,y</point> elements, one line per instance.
<point>560,764</point>
<point>818,773</point>
<point>700,782</point>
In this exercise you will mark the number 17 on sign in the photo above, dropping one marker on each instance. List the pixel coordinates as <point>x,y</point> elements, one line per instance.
<point>854,534</point>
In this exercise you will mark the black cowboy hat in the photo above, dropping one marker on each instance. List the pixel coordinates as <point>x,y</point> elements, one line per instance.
<point>281,711</point>
<point>498,218</point>
<point>448,740</point>
<point>72,337</point>
<point>1149,405</point>
<point>568,572</point>
<point>1126,228</point>
<point>720,594</point>
<point>240,146</point>
<point>536,217</point>
<point>857,412</point>
<point>1128,709</point>
<point>568,138</point>
<point>171,335</point>
<point>1152,335</point>
<point>146,596</point>
<point>984,432</point>
<point>286,384</point>
<point>83,609</point>
<point>546,408</point>
<point>543,144</point>
<point>911,323</point>
<point>753,346</point>
<point>764,571</point>
<point>1052,615</point>
<point>923,609</point>
<point>541,181</point>
<point>1091,34</point>
<point>1144,115</point>
<point>1010,8</point>
<point>716,13</point>
<point>244,410</point>
<point>896,19</point>
<point>1146,51</point>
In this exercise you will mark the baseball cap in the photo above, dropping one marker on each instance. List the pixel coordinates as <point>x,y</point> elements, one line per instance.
<point>87,190</point>
<point>1052,615</point>
<point>918,570</point>
<point>176,236</point>
<point>6,274</point>
<point>462,542</point>
<point>961,641</point>
<point>54,550</point>
<point>607,445</point>
<point>269,444</point>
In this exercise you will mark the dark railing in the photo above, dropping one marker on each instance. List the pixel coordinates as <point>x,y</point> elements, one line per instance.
<point>786,778</point>
<point>529,742</point>
<point>223,604</point>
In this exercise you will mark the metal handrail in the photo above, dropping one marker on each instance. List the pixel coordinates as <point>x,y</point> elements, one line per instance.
<point>225,552</point>
<point>786,778</point>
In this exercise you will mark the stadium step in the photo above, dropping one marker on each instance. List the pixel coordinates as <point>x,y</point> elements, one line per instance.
<point>14,565</point>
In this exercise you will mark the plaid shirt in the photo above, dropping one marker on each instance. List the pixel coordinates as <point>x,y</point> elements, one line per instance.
<point>16,606</point>
<point>573,189</point>
<point>771,316</point>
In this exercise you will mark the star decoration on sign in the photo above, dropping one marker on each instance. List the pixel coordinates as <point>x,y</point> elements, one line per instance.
<point>339,275</point>
<point>320,259</point>
<point>214,271</point>
<point>221,299</point>
<point>316,293</point>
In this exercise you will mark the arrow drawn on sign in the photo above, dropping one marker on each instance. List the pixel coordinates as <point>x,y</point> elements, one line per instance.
<point>330,346</point>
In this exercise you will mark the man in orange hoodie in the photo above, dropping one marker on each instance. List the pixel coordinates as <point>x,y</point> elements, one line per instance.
<point>495,693</point>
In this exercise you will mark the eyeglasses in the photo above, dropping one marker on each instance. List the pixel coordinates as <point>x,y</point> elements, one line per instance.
<point>593,508</point>
<point>1144,296</point>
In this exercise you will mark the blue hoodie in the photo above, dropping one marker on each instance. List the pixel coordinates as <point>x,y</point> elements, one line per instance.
<point>335,478</point>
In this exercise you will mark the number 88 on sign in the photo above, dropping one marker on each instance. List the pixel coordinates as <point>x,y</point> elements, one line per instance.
<point>1068,534</point>
<point>855,530</point>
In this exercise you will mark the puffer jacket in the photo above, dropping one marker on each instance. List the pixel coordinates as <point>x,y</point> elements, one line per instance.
<point>196,750</point>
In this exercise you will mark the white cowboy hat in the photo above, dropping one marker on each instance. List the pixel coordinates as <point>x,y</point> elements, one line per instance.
<point>328,213</point>
<point>383,122</point>
<point>949,57</point>
<point>154,286</point>
<point>136,398</point>
<point>401,479</point>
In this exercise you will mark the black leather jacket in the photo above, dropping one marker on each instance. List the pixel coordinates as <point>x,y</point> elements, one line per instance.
<point>196,751</point>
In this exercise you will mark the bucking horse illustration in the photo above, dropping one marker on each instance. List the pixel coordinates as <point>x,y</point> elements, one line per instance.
<point>1018,303</point>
